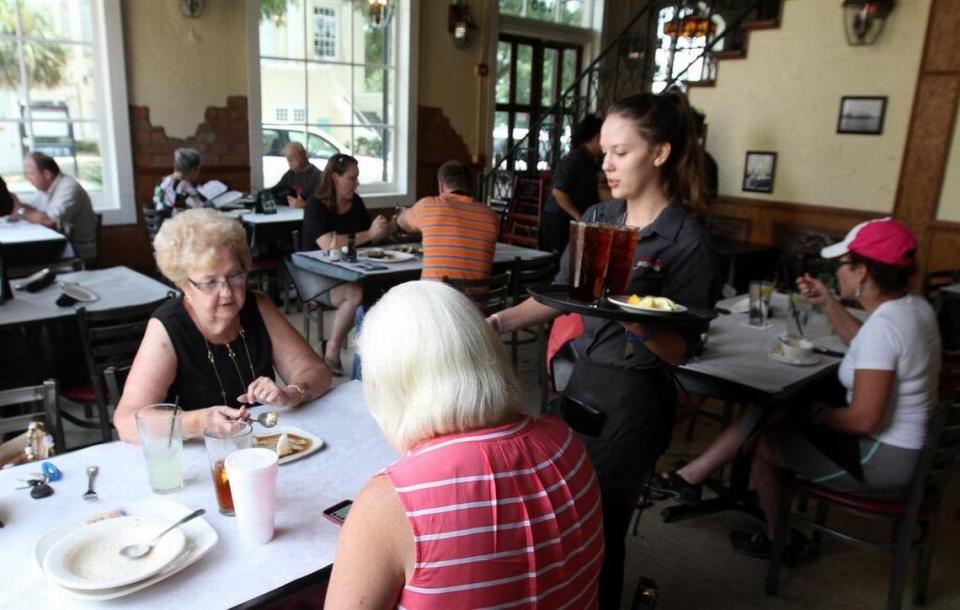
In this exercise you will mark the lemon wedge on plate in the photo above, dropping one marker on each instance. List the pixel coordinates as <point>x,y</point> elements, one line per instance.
<point>651,302</point>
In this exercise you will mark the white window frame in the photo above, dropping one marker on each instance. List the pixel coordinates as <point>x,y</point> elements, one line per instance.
<point>117,201</point>
<point>334,18</point>
<point>402,191</point>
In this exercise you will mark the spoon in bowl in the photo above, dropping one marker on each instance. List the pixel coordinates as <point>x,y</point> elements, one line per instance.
<point>136,551</point>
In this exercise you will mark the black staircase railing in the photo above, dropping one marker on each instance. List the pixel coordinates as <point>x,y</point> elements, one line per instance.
<point>619,70</point>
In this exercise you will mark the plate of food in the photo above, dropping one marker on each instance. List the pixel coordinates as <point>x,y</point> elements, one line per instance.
<point>409,249</point>
<point>379,255</point>
<point>289,442</point>
<point>635,302</point>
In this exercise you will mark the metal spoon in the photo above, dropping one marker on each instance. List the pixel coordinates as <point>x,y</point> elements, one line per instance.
<point>136,551</point>
<point>267,419</point>
<point>91,475</point>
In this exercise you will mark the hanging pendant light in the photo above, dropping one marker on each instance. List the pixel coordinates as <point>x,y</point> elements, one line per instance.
<point>696,24</point>
<point>377,10</point>
<point>863,20</point>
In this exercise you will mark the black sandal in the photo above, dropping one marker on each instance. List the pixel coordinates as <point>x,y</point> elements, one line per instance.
<point>672,485</point>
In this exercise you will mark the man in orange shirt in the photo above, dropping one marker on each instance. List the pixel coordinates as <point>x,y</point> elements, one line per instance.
<point>459,234</point>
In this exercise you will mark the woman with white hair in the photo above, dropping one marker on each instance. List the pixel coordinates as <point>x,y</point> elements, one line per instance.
<point>214,350</point>
<point>487,506</point>
<point>177,191</point>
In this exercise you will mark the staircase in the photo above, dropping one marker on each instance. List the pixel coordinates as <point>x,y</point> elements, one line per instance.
<point>625,67</point>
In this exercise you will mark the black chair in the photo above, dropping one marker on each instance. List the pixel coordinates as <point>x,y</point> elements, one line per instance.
<point>523,275</point>
<point>115,378</point>
<point>490,294</point>
<point>935,281</point>
<point>313,310</point>
<point>152,219</point>
<point>110,338</point>
<point>34,402</point>
<point>913,516</point>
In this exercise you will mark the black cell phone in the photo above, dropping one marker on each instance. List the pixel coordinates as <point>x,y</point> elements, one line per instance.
<point>338,512</point>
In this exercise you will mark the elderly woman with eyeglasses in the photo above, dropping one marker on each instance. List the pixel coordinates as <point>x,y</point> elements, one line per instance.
<point>334,213</point>
<point>214,350</point>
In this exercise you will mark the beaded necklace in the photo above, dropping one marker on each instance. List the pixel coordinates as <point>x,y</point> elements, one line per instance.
<point>233,359</point>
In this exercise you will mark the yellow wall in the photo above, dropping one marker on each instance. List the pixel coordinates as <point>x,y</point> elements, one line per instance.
<point>178,66</point>
<point>447,74</point>
<point>950,196</point>
<point>785,97</point>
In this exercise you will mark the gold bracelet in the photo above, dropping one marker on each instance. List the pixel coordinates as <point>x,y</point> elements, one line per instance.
<point>299,391</point>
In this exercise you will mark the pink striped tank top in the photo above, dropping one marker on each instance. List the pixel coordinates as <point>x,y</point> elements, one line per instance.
<point>505,517</point>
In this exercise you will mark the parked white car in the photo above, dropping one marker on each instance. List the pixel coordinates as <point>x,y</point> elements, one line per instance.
<point>320,147</point>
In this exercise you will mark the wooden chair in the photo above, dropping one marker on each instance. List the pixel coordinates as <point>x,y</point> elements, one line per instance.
<point>110,338</point>
<point>521,226</point>
<point>35,402</point>
<point>490,294</point>
<point>913,515</point>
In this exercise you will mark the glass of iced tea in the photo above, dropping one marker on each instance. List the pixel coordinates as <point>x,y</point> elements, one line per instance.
<point>222,439</point>
<point>589,255</point>
<point>622,249</point>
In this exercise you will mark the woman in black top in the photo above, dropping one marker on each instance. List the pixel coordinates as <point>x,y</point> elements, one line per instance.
<point>574,187</point>
<point>214,350</point>
<point>654,168</point>
<point>336,212</point>
<point>8,201</point>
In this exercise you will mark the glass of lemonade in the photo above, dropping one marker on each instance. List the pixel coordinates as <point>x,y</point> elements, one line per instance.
<point>222,439</point>
<point>161,437</point>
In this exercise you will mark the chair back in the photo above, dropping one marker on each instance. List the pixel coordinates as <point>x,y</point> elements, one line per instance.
<point>490,294</point>
<point>936,461</point>
<point>526,273</point>
<point>115,378</point>
<point>935,281</point>
<point>521,226</point>
<point>111,338</point>
<point>152,219</point>
<point>295,238</point>
<point>42,402</point>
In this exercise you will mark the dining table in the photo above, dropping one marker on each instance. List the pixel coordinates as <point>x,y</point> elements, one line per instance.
<point>231,574</point>
<point>24,244</point>
<point>736,366</point>
<point>40,338</point>
<point>273,227</point>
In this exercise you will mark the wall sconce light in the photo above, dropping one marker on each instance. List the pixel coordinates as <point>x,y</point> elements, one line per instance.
<point>460,23</point>
<point>378,9</point>
<point>191,8</point>
<point>863,20</point>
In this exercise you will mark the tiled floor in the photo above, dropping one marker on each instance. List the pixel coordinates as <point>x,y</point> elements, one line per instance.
<point>695,566</point>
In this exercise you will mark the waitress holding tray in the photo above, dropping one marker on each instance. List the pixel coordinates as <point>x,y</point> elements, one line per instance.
<point>621,395</point>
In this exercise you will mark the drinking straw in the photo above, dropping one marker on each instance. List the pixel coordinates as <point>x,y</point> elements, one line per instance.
<point>173,420</point>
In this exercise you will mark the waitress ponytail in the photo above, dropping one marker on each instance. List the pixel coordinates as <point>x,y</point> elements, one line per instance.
<point>667,118</point>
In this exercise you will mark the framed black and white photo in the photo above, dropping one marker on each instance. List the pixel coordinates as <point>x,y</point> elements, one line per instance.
<point>863,115</point>
<point>759,170</point>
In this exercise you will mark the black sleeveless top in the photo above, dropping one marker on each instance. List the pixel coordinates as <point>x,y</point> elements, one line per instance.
<point>197,382</point>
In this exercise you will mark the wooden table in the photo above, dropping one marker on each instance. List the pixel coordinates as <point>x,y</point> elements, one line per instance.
<point>231,574</point>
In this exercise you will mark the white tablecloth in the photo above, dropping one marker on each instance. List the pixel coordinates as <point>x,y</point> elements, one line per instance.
<point>738,352</point>
<point>117,287</point>
<point>284,214</point>
<point>231,573</point>
<point>24,232</point>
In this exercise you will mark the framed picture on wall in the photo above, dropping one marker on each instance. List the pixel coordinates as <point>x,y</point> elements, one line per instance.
<point>759,170</point>
<point>863,115</point>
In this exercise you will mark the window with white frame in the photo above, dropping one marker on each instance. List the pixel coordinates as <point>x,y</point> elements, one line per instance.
<point>60,94</point>
<point>568,12</point>
<point>679,56</point>
<point>280,114</point>
<point>338,72</point>
<point>324,32</point>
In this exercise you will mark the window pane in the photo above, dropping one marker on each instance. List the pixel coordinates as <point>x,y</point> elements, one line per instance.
<point>53,19</point>
<point>325,33</point>
<point>545,10</point>
<point>370,101</point>
<point>511,7</point>
<point>330,95</point>
<point>524,73</point>
<point>569,68</point>
<point>371,147</point>
<point>500,128</point>
<point>89,162</point>
<point>376,45</point>
<point>11,155</point>
<point>571,12</point>
<point>503,72</point>
<point>521,126</point>
<point>548,94</point>
<point>63,76</point>
<point>282,29</point>
<point>282,87</point>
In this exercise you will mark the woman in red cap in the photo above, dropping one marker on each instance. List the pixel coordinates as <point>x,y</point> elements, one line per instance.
<point>871,443</point>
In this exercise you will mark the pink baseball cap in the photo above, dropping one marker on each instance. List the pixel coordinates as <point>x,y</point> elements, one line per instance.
<point>884,240</point>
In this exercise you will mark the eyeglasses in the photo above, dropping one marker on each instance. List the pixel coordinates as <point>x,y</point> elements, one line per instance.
<point>234,280</point>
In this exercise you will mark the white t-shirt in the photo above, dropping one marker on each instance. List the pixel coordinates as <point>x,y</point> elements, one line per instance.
<point>901,335</point>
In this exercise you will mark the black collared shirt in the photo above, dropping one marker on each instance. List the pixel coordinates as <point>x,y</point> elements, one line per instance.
<point>576,175</point>
<point>673,259</point>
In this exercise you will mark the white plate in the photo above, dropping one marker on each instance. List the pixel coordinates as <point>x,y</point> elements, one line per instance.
<point>779,357</point>
<point>621,300</point>
<point>88,558</point>
<point>200,538</point>
<point>316,442</point>
<point>391,256</point>
<point>78,292</point>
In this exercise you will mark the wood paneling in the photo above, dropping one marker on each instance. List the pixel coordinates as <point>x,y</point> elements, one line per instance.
<point>437,142</point>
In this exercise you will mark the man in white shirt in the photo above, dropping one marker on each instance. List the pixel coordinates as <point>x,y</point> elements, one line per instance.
<point>61,204</point>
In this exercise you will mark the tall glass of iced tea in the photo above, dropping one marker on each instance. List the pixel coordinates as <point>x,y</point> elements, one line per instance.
<point>222,439</point>
<point>589,254</point>
<point>622,249</point>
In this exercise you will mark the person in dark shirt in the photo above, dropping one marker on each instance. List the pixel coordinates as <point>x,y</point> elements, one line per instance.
<point>299,183</point>
<point>8,201</point>
<point>334,213</point>
<point>655,171</point>
<point>574,187</point>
